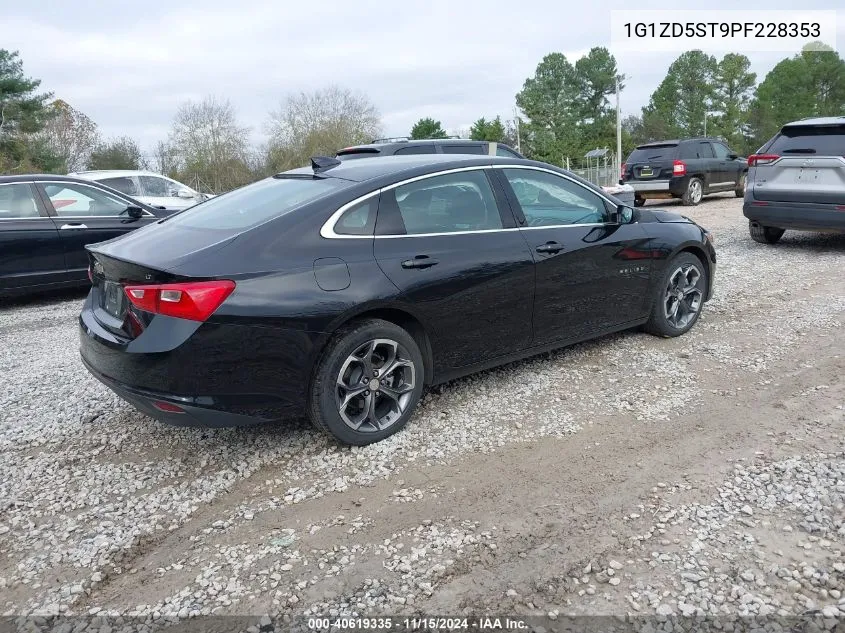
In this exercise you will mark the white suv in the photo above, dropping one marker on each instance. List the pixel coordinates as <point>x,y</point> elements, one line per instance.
<point>148,187</point>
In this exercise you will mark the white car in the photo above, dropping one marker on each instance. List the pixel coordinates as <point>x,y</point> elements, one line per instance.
<point>148,187</point>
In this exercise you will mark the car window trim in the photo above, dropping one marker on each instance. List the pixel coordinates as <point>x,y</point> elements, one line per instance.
<point>84,184</point>
<point>327,230</point>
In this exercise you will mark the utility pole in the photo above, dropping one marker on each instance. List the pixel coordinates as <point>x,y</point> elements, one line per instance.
<point>516,119</point>
<point>618,133</point>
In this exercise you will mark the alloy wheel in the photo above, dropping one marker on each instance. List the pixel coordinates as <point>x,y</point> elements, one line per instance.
<point>683,298</point>
<point>375,385</point>
<point>695,191</point>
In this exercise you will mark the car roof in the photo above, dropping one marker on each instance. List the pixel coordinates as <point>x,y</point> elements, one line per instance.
<point>115,173</point>
<point>822,120</point>
<point>678,141</point>
<point>422,141</point>
<point>376,167</point>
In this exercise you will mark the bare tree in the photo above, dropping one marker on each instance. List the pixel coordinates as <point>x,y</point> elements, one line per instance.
<point>166,158</point>
<point>212,147</point>
<point>320,123</point>
<point>69,135</point>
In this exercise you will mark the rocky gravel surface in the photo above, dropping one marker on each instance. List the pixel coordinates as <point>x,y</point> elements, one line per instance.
<point>644,478</point>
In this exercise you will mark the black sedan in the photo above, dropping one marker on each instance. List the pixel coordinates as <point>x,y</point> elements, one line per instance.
<point>46,221</point>
<point>344,289</point>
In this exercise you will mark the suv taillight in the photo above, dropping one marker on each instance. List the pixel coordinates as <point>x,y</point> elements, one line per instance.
<point>761,159</point>
<point>679,168</point>
<point>624,169</point>
<point>195,301</point>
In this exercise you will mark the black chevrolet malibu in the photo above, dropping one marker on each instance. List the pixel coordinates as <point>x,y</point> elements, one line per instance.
<point>344,289</point>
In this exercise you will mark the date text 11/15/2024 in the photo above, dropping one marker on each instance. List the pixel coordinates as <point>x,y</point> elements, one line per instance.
<point>418,623</point>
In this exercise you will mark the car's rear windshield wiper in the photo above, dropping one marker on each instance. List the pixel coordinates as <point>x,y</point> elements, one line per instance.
<point>800,150</point>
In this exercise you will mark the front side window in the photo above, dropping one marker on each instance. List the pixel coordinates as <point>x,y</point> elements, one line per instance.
<point>450,203</point>
<point>17,202</point>
<point>551,200</point>
<point>73,199</point>
<point>157,187</point>
<point>721,151</point>
<point>123,184</point>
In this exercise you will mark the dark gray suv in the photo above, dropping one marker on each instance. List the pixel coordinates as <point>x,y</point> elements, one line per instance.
<point>796,181</point>
<point>402,146</point>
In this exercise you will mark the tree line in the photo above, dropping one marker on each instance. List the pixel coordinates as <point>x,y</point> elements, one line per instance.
<point>566,109</point>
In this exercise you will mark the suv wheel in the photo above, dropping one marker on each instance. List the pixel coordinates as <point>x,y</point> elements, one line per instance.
<point>638,202</point>
<point>695,191</point>
<point>368,383</point>
<point>740,186</point>
<point>764,234</point>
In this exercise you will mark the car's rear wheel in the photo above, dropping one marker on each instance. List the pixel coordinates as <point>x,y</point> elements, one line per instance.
<point>695,191</point>
<point>740,186</point>
<point>678,297</point>
<point>639,202</point>
<point>764,234</point>
<point>367,383</point>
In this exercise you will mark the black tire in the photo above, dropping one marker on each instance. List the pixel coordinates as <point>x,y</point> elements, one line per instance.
<point>639,202</point>
<point>324,402</point>
<point>765,234</point>
<point>659,323</point>
<point>694,192</point>
<point>739,192</point>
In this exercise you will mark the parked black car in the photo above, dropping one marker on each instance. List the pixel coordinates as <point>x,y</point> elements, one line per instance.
<point>343,289</point>
<point>797,180</point>
<point>46,221</point>
<point>687,169</point>
<point>404,146</point>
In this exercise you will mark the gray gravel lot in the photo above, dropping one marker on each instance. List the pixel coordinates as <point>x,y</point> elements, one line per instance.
<point>703,475</point>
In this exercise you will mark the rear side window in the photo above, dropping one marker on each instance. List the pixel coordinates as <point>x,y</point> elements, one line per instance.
<point>416,149</point>
<point>16,201</point>
<point>652,153</point>
<point>443,204</point>
<point>504,151</point>
<point>256,203</point>
<point>358,220</point>
<point>463,149</point>
<point>123,184</point>
<point>819,140</point>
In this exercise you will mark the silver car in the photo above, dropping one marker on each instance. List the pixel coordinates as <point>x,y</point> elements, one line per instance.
<point>796,181</point>
<point>148,187</point>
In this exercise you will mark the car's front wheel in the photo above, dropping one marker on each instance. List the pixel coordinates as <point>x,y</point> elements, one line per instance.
<point>638,201</point>
<point>678,297</point>
<point>695,191</point>
<point>764,234</point>
<point>739,192</point>
<point>367,383</point>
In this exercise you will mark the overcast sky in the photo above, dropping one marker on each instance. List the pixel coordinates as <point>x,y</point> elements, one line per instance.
<point>129,64</point>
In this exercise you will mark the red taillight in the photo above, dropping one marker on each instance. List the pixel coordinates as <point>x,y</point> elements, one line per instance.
<point>167,407</point>
<point>679,168</point>
<point>90,274</point>
<point>761,159</point>
<point>195,301</point>
<point>624,169</point>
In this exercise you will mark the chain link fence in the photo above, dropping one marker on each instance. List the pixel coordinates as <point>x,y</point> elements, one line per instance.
<point>599,166</point>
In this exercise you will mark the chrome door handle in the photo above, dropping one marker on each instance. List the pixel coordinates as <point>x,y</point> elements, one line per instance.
<point>73,225</point>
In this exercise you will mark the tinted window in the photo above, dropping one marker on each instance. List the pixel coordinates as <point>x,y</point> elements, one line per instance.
<point>256,203</point>
<point>721,150</point>
<point>821,140</point>
<point>16,201</point>
<point>124,184</point>
<point>705,150</point>
<point>445,204</point>
<point>358,220</point>
<point>504,151</point>
<point>158,187</point>
<point>416,149</point>
<point>549,200</point>
<point>652,152</point>
<point>463,149</point>
<point>73,199</point>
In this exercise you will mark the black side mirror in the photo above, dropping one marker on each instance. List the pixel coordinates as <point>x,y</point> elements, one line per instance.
<point>732,156</point>
<point>134,212</point>
<point>623,215</point>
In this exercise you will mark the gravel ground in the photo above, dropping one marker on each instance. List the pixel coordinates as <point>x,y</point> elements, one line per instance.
<point>699,476</point>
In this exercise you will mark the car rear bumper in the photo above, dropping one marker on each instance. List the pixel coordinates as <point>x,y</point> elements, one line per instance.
<point>796,215</point>
<point>671,188</point>
<point>220,375</point>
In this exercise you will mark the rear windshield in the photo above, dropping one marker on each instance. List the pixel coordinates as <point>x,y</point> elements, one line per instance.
<point>256,203</point>
<point>345,154</point>
<point>821,140</point>
<point>652,152</point>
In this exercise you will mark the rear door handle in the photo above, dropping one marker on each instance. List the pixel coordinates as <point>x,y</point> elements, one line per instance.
<point>73,225</point>
<point>550,247</point>
<point>420,261</point>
